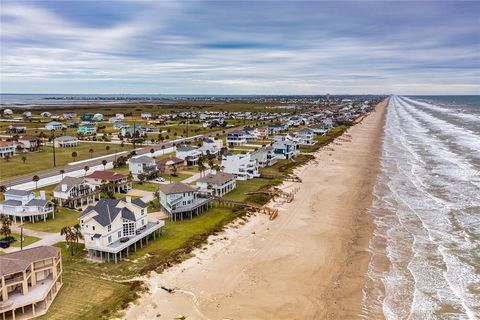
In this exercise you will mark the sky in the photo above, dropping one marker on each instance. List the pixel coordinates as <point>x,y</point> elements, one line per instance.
<point>240,47</point>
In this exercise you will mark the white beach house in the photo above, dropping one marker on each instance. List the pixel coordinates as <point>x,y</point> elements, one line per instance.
<point>114,227</point>
<point>242,165</point>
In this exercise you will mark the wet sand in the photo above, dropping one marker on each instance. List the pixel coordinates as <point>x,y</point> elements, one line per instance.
<point>309,263</point>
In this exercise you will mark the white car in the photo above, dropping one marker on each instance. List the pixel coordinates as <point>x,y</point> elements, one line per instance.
<point>160,179</point>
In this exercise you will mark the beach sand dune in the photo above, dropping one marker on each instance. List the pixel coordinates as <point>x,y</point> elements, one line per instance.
<point>309,263</point>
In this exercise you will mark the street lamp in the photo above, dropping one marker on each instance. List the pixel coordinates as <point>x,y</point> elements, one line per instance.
<point>53,144</point>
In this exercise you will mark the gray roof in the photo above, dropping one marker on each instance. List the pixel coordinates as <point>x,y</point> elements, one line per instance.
<point>70,182</point>
<point>176,187</point>
<point>37,203</point>
<point>140,203</point>
<point>16,192</point>
<point>19,261</point>
<point>66,138</point>
<point>107,211</point>
<point>219,178</point>
<point>185,147</point>
<point>97,235</point>
<point>12,203</point>
<point>142,159</point>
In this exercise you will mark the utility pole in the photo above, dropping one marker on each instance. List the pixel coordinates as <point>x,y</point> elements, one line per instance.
<point>187,127</point>
<point>133,135</point>
<point>53,144</point>
<point>21,238</point>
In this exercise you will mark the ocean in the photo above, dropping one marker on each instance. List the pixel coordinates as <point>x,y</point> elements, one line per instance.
<point>426,244</point>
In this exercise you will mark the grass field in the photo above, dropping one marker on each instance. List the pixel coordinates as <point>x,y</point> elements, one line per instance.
<point>27,240</point>
<point>180,176</point>
<point>146,186</point>
<point>43,160</point>
<point>64,217</point>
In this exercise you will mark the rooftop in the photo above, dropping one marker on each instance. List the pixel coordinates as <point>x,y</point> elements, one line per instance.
<point>176,187</point>
<point>18,261</point>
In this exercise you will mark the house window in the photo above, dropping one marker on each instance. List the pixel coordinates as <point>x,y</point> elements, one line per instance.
<point>109,228</point>
<point>109,239</point>
<point>93,227</point>
<point>143,222</point>
<point>129,228</point>
<point>119,234</point>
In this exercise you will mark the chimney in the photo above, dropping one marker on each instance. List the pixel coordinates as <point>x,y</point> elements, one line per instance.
<point>42,195</point>
<point>64,187</point>
<point>128,199</point>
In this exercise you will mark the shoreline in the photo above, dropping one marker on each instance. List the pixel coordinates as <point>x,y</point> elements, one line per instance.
<point>315,254</point>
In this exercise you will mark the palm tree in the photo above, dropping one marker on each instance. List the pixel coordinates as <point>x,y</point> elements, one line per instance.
<point>104,162</point>
<point>35,179</point>
<point>7,158</point>
<point>107,148</point>
<point>122,144</point>
<point>74,155</point>
<point>62,172</point>
<point>152,151</point>
<point>6,223</point>
<point>24,159</point>
<point>3,188</point>
<point>91,152</point>
<point>77,234</point>
<point>68,233</point>
<point>86,168</point>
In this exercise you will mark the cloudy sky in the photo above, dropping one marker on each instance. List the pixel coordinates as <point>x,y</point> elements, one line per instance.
<point>240,47</point>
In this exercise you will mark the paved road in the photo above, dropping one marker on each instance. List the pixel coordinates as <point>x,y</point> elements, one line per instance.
<point>97,162</point>
<point>91,163</point>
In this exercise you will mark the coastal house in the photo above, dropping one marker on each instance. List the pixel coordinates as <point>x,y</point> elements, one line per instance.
<point>7,112</point>
<point>54,125</point>
<point>285,149</point>
<point>111,180</point>
<point>276,128</point>
<point>98,117</point>
<point>264,156</point>
<point>23,205</point>
<point>236,138</point>
<point>188,153</point>
<point>69,115</point>
<point>217,183</point>
<point>87,117</point>
<point>120,115</point>
<point>75,192</point>
<point>114,120</point>
<point>16,129</point>
<point>29,281</point>
<point>319,129</point>
<point>165,165</point>
<point>120,125</point>
<point>261,133</point>
<point>211,146</point>
<point>7,149</point>
<point>306,136</point>
<point>179,200</point>
<point>135,130</point>
<point>142,165</point>
<point>114,227</point>
<point>146,115</point>
<point>87,128</point>
<point>241,165</point>
<point>45,114</point>
<point>27,114</point>
<point>30,143</point>
<point>66,142</point>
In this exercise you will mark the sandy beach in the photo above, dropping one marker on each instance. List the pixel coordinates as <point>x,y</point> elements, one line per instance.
<point>309,263</point>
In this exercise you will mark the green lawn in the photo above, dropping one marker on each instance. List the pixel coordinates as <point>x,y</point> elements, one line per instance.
<point>238,194</point>
<point>64,217</point>
<point>43,160</point>
<point>27,240</point>
<point>179,177</point>
<point>146,186</point>
<point>284,167</point>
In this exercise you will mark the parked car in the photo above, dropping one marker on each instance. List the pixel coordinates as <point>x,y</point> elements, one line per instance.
<point>5,242</point>
<point>124,239</point>
<point>160,179</point>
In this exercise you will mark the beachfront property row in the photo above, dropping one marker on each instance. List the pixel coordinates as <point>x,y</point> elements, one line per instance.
<point>29,281</point>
